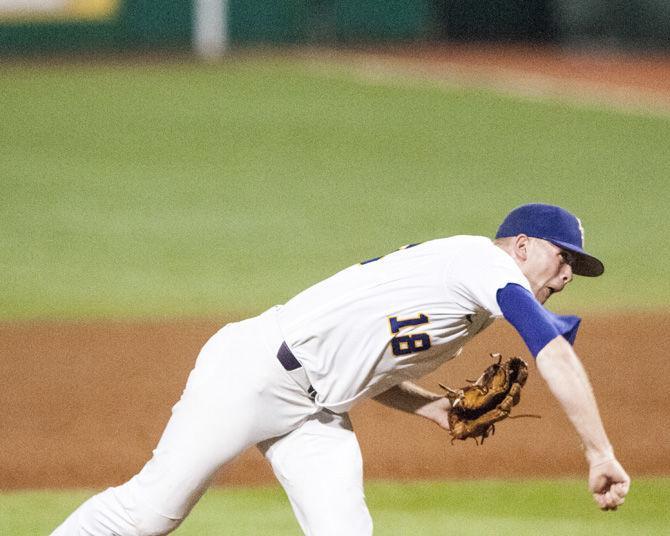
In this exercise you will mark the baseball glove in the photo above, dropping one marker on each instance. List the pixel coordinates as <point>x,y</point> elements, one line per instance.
<point>477,407</point>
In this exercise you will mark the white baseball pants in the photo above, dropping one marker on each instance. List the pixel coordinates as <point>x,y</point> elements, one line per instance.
<point>238,395</point>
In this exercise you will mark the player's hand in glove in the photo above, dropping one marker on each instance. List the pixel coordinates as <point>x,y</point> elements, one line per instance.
<point>609,483</point>
<point>477,407</point>
<point>437,411</point>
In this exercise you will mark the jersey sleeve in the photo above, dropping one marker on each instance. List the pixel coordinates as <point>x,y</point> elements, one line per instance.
<point>536,325</point>
<point>479,271</point>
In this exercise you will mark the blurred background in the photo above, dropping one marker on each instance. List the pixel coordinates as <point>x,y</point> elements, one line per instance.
<point>31,26</point>
<point>167,167</point>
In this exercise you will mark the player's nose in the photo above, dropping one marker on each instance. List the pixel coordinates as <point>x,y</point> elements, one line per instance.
<point>566,274</point>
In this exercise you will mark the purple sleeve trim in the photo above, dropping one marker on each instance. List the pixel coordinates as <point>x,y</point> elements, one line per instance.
<point>536,325</point>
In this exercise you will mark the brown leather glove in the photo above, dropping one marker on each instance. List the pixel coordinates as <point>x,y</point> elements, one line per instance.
<point>477,407</point>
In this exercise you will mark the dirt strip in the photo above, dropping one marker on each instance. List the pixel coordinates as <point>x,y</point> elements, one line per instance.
<point>84,404</point>
<point>637,83</point>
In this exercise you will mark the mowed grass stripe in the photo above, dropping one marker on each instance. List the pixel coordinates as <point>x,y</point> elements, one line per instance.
<point>554,507</point>
<point>186,190</point>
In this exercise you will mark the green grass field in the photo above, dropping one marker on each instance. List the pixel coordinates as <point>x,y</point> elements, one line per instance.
<point>497,508</point>
<point>163,190</point>
<point>184,190</point>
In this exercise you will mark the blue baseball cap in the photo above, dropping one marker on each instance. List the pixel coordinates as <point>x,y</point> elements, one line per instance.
<point>556,225</point>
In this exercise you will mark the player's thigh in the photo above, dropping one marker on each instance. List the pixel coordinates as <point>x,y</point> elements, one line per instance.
<point>234,397</point>
<point>321,469</point>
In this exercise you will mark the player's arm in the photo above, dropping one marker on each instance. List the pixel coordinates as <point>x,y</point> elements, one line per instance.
<point>549,338</point>
<point>414,399</point>
<point>566,378</point>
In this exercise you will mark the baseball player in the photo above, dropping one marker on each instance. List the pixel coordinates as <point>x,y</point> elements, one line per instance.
<point>285,380</point>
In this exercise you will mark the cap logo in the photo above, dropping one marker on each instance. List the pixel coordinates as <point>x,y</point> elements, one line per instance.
<point>581,229</point>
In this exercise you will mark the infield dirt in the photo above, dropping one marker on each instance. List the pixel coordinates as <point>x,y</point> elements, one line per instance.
<point>623,81</point>
<point>84,404</point>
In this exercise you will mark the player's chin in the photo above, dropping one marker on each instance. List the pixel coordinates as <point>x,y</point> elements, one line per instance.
<point>544,295</point>
<point>548,292</point>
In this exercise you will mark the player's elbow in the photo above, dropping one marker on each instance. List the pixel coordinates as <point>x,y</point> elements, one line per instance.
<point>556,356</point>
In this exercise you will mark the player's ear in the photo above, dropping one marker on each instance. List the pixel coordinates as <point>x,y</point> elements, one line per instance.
<point>521,243</point>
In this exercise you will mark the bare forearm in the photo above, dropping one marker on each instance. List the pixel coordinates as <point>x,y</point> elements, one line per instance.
<point>412,398</point>
<point>562,370</point>
<point>407,397</point>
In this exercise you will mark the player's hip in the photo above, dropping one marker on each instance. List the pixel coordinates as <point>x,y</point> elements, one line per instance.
<point>242,358</point>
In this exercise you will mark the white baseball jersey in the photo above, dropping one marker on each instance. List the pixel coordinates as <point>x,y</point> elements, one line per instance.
<point>376,324</point>
<point>356,334</point>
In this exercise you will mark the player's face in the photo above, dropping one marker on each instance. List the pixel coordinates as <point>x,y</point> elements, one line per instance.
<point>548,268</point>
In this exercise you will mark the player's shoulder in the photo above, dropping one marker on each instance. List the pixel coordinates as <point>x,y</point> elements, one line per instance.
<point>464,254</point>
<point>477,257</point>
<point>468,246</point>
<point>478,268</point>
<point>458,241</point>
